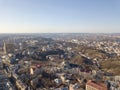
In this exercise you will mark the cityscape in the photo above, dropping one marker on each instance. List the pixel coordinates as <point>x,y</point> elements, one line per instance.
<point>59,44</point>
<point>60,61</point>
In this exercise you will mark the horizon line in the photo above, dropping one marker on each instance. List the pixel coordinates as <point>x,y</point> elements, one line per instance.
<point>62,33</point>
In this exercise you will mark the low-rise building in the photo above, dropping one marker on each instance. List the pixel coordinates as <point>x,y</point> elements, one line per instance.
<point>92,85</point>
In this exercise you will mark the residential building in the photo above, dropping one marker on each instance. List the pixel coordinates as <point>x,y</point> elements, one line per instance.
<point>92,85</point>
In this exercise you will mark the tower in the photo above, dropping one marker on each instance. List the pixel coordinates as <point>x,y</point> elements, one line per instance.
<point>20,46</point>
<point>4,47</point>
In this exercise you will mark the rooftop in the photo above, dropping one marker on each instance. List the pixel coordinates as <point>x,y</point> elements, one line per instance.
<point>98,85</point>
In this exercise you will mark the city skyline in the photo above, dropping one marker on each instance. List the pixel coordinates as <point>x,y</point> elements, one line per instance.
<point>59,16</point>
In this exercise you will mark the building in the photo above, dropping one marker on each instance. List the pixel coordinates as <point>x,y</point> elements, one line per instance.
<point>75,86</point>
<point>20,85</point>
<point>3,81</point>
<point>4,47</point>
<point>92,85</point>
<point>117,78</point>
<point>8,47</point>
<point>1,64</point>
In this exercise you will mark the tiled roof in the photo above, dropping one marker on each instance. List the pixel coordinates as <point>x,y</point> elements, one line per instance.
<point>97,85</point>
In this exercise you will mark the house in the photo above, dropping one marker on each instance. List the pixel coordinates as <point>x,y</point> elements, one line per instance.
<point>92,85</point>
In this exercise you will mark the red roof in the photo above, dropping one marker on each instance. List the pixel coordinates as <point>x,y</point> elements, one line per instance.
<point>97,85</point>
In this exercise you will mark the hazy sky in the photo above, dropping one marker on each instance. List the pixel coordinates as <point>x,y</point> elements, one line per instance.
<point>27,16</point>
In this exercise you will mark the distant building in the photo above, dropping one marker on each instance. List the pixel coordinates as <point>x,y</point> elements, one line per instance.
<point>1,64</point>
<point>8,48</point>
<point>117,78</point>
<point>4,47</point>
<point>20,85</point>
<point>92,85</point>
<point>31,71</point>
<point>20,46</point>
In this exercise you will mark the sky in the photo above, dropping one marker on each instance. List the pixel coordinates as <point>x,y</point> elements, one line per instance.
<point>59,16</point>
